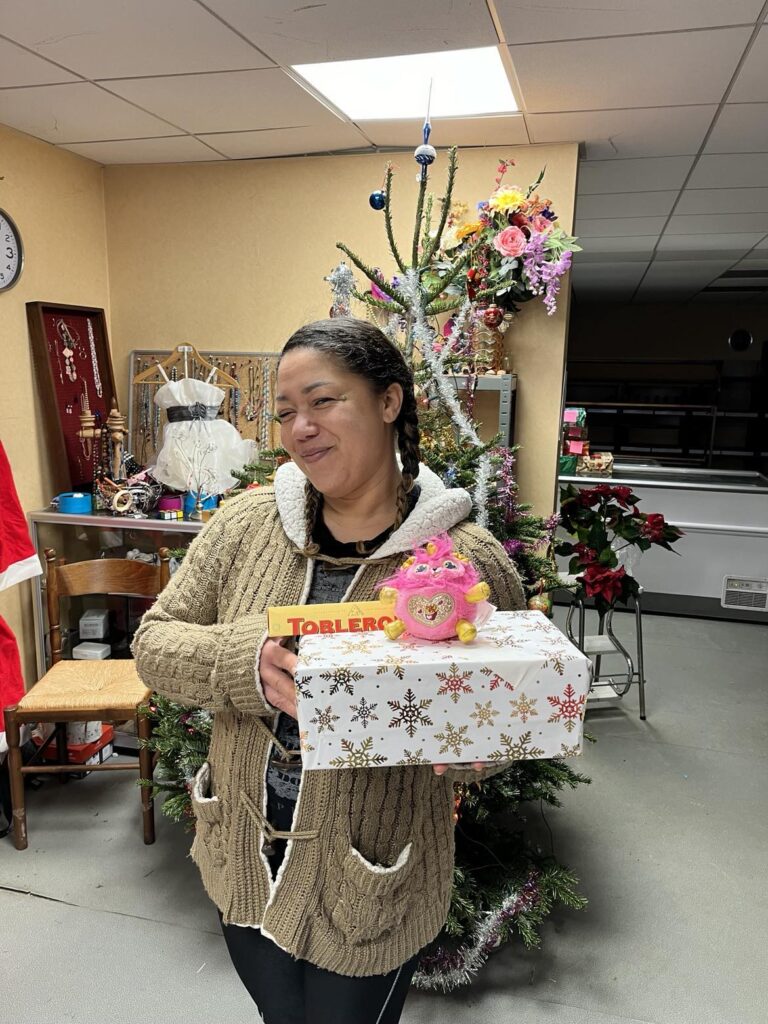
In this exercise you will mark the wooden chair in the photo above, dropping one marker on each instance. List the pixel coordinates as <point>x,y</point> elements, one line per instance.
<point>85,691</point>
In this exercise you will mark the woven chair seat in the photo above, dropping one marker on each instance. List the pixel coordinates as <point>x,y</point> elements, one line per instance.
<point>87,686</point>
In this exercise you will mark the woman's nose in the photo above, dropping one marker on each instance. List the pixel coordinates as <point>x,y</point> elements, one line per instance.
<point>303,426</point>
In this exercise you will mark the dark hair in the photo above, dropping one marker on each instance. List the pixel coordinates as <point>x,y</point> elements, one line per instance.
<point>361,348</point>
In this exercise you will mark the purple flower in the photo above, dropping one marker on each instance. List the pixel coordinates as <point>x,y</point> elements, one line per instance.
<point>513,547</point>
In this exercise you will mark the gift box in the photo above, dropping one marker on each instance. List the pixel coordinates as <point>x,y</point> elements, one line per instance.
<point>567,465</point>
<point>575,414</point>
<point>517,692</point>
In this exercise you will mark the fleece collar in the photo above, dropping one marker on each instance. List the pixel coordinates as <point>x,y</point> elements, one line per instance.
<point>437,509</point>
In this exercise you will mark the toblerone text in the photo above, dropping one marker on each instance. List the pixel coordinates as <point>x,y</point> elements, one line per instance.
<point>348,617</point>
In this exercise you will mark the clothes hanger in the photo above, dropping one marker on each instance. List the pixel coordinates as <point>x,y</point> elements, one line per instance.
<point>157,374</point>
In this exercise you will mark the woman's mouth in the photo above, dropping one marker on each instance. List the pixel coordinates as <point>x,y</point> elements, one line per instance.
<point>314,455</point>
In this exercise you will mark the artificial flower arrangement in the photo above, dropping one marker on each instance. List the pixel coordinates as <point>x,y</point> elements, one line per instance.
<point>600,518</point>
<point>517,249</point>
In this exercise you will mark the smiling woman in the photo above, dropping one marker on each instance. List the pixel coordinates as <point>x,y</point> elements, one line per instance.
<point>328,882</point>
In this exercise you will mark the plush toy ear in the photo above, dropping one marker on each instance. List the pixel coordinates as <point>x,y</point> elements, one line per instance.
<point>408,563</point>
<point>431,548</point>
<point>458,557</point>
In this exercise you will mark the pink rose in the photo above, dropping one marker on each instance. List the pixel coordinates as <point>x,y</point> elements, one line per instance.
<point>541,224</point>
<point>510,242</point>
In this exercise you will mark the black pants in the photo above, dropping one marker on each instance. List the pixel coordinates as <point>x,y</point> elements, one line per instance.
<point>290,991</point>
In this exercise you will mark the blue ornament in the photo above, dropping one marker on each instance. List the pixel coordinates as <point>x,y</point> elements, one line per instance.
<point>378,199</point>
<point>425,155</point>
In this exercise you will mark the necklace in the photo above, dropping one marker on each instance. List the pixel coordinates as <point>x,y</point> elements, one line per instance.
<point>94,359</point>
<point>69,349</point>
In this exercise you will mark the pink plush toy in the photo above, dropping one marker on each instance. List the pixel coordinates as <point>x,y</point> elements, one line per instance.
<point>437,594</point>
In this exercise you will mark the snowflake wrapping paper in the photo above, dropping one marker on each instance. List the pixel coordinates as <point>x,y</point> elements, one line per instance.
<point>517,692</point>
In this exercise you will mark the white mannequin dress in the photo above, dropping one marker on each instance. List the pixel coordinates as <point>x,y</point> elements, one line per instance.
<point>198,449</point>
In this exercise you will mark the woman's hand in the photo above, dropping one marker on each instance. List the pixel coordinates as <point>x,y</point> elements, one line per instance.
<point>276,669</point>
<point>478,766</point>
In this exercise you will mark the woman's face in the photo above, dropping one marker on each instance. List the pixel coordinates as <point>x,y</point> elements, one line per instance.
<point>333,424</point>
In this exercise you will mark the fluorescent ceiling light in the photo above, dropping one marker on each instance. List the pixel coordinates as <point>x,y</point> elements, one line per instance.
<point>464,83</point>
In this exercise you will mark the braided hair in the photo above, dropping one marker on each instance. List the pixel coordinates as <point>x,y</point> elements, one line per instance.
<point>361,348</point>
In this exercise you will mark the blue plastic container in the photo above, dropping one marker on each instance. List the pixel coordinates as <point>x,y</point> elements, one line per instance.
<point>75,503</point>
<point>209,501</point>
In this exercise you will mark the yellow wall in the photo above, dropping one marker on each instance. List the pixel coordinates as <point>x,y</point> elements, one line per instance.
<point>233,255</point>
<point>57,202</point>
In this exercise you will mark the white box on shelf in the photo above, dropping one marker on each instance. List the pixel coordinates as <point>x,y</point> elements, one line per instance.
<point>91,652</point>
<point>94,624</point>
<point>517,692</point>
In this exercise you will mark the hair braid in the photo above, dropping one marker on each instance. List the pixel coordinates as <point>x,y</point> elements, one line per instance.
<point>409,436</point>
<point>312,503</point>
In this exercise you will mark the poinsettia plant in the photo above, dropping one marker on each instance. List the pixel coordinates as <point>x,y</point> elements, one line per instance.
<point>601,518</point>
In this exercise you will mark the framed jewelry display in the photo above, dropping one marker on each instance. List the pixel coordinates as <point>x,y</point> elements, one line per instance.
<point>70,348</point>
<point>249,406</point>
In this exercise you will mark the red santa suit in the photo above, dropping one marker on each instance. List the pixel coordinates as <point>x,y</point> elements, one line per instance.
<point>18,561</point>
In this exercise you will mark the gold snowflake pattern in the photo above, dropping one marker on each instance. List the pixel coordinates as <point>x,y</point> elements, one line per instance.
<point>395,662</point>
<point>362,758</point>
<point>569,709</point>
<point>516,750</point>
<point>410,714</point>
<point>524,707</point>
<point>324,719</point>
<point>302,686</point>
<point>496,679</point>
<point>501,638</point>
<point>454,738</point>
<point>305,746</point>
<point>359,645</point>
<point>414,757</point>
<point>455,682</point>
<point>342,679</point>
<point>363,711</point>
<point>566,751</point>
<point>484,714</point>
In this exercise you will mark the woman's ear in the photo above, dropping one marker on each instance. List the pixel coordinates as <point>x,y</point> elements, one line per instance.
<point>392,402</point>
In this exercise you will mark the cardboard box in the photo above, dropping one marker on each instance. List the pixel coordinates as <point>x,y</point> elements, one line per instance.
<point>517,692</point>
<point>94,624</point>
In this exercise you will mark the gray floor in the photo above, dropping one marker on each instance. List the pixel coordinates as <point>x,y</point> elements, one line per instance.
<point>669,841</point>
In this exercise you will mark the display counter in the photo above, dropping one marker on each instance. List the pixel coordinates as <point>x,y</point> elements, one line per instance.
<point>724,515</point>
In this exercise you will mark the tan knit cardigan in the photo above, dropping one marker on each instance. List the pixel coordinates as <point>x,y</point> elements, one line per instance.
<point>366,879</point>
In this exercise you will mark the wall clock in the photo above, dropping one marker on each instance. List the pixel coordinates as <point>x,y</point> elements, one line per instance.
<point>11,252</point>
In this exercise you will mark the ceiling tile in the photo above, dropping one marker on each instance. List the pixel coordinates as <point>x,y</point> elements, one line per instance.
<point>349,29</point>
<point>762,244</point>
<point>629,71</point>
<point>641,175</point>
<point>578,19</point>
<point>713,244</point>
<point>752,83</point>
<point>230,102</point>
<point>740,128</point>
<point>737,170</point>
<point>610,273</point>
<point>75,113</point>
<point>608,228</point>
<point>143,37</point>
<point>627,133</point>
<point>753,261</point>
<point>595,248</point>
<point>626,204</point>
<point>178,149</point>
<point>19,67</point>
<point>723,200</point>
<point>458,131</point>
<point>286,141</point>
<point>689,273</point>
<point>699,223</point>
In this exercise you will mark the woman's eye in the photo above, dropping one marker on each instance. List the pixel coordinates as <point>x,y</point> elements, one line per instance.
<point>322,401</point>
<point>283,417</point>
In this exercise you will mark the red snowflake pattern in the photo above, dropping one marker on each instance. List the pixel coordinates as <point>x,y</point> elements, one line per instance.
<point>569,708</point>
<point>455,682</point>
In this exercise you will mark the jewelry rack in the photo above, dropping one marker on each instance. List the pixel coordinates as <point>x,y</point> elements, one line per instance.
<point>248,406</point>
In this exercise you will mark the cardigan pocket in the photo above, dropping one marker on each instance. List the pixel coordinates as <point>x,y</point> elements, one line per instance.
<point>208,812</point>
<point>372,900</point>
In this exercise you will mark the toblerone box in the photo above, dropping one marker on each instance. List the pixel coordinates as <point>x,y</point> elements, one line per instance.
<point>346,617</point>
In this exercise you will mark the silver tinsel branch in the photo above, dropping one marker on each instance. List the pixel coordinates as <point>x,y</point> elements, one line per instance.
<point>342,282</point>
<point>447,970</point>
<point>424,336</point>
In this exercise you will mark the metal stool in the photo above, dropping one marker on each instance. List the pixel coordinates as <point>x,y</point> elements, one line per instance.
<point>605,643</point>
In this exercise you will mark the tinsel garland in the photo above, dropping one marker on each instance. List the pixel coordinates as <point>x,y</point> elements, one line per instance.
<point>342,282</point>
<point>446,970</point>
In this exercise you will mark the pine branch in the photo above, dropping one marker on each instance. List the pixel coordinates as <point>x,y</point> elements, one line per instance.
<point>391,307</point>
<point>444,306</point>
<point>450,277</point>
<point>445,205</point>
<point>374,275</point>
<point>388,221</point>
<point>419,214</point>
